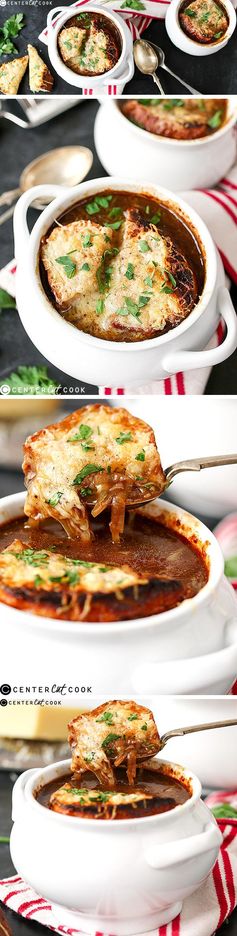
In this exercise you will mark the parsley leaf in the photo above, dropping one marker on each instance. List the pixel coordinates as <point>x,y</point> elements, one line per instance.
<point>31,381</point>
<point>141,456</point>
<point>144,246</point>
<point>110,738</point>
<point>68,265</point>
<point>53,501</point>
<point>87,470</point>
<point>6,301</point>
<point>130,271</point>
<point>124,437</point>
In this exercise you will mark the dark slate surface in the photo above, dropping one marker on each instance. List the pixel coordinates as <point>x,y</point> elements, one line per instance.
<point>74,126</point>
<point>216,74</point>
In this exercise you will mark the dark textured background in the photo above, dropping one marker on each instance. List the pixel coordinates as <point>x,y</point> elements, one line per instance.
<point>199,72</point>
<point>18,147</point>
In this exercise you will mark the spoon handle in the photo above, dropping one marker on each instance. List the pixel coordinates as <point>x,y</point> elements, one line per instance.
<point>158,83</point>
<point>8,197</point>
<point>180,732</point>
<point>196,464</point>
<point>184,83</point>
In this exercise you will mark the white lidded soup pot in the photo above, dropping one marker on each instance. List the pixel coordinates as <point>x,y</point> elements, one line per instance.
<point>97,360</point>
<point>191,46</point>
<point>116,876</point>
<point>129,151</point>
<point>190,648</point>
<point>122,70</point>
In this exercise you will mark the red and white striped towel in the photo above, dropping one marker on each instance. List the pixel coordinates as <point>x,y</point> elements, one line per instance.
<point>136,22</point>
<point>202,914</point>
<point>218,208</point>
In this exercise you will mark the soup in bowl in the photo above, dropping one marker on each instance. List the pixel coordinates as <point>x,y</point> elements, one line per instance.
<point>116,274</point>
<point>103,888</point>
<point>201,27</point>
<point>90,46</point>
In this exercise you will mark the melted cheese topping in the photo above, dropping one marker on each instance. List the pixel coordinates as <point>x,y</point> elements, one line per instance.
<point>97,455</point>
<point>42,570</point>
<point>71,256</point>
<point>69,796</point>
<point>11,74</point>
<point>70,41</point>
<point>112,734</point>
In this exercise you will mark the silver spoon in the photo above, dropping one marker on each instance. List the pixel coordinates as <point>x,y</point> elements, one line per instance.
<point>193,464</point>
<point>146,61</point>
<point>161,64</point>
<point>67,165</point>
<point>180,732</point>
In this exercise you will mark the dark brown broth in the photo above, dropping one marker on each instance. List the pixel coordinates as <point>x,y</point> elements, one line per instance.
<point>168,791</point>
<point>146,545</point>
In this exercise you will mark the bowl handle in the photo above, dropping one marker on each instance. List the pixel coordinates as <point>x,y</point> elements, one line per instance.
<point>193,675</point>
<point>52,13</point>
<point>21,230</point>
<point>163,856</point>
<point>18,799</point>
<point>189,360</point>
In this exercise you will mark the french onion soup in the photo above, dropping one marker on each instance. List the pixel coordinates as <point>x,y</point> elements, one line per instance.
<point>81,555</point>
<point>89,44</point>
<point>113,775</point>
<point>204,21</point>
<point>122,266</point>
<point>177,118</point>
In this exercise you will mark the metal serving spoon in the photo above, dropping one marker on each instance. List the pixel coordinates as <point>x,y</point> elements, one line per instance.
<point>180,732</point>
<point>193,464</point>
<point>161,64</point>
<point>67,165</point>
<point>146,61</point>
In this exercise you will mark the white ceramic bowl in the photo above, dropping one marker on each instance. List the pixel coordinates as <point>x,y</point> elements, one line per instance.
<point>103,362</point>
<point>210,754</point>
<point>131,152</point>
<point>189,428</point>
<point>124,68</point>
<point>183,42</point>
<point>120,876</point>
<point>191,648</point>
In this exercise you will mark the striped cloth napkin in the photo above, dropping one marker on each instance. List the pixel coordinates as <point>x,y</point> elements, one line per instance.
<point>137,23</point>
<point>218,208</point>
<point>202,913</point>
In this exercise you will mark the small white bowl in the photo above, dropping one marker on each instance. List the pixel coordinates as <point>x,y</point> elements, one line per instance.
<point>188,649</point>
<point>190,46</point>
<point>97,360</point>
<point>134,153</point>
<point>124,67</point>
<point>114,876</point>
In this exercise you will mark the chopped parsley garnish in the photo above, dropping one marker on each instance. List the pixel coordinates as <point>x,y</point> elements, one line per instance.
<point>8,31</point>
<point>133,5</point>
<point>31,381</point>
<point>171,278</point>
<point>132,717</point>
<point>38,580</point>
<point>100,307</point>
<point>124,437</point>
<point>191,13</point>
<point>173,102</point>
<point>110,738</point>
<point>6,301</point>
<point>141,456</point>
<point>130,271</point>
<point>148,281</point>
<point>115,212</point>
<point>32,557</point>
<point>144,246</point>
<point>215,120</point>
<point>68,265</point>
<point>114,225</point>
<point>90,757</point>
<point>144,727</point>
<point>85,492</point>
<point>103,273</point>
<point>53,501</point>
<point>101,201</point>
<point>106,717</point>
<point>86,267</point>
<point>84,432</point>
<point>156,217</point>
<point>87,470</point>
<point>87,242</point>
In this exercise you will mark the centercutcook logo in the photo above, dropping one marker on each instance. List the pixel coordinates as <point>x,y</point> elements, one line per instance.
<point>39,695</point>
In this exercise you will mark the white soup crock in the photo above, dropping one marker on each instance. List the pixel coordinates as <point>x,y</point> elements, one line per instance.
<point>190,46</point>
<point>191,648</point>
<point>122,70</point>
<point>96,360</point>
<point>115,876</point>
<point>131,152</point>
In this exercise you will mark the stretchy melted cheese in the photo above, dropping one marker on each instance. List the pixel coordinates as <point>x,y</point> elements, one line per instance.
<point>177,118</point>
<point>204,20</point>
<point>113,734</point>
<point>97,456</point>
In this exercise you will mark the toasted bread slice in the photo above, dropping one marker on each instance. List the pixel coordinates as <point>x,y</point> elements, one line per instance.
<point>98,457</point>
<point>11,74</point>
<point>40,77</point>
<point>96,803</point>
<point>71,256</point>
<point>113,734</point>
<point>70,41</point>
